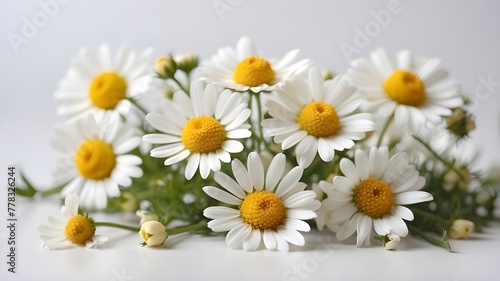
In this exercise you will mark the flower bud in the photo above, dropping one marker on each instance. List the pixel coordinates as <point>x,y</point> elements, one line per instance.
<point>452,179</point>
<point>461,229</point>
<point>165,67</point>
<point>186,62</point>
<point>327,74</point>
<point>128,202</point>
<point>460,123</point>
<point>391,241</point>
<point>146,216</point>
<point>153,234</point>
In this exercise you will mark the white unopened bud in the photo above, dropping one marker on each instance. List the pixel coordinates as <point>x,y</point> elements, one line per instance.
<point>391,241</point>
<point>461,229</point>
<point>153,234</point>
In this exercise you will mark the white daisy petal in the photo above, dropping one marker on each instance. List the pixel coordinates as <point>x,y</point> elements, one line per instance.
<point>269,239</point>
<point>235,236</point>
<point>221,195</point>
<point>229,184</point>
<point>252,241</point>
<point>224,224</point>
<point>412,197</point>
<point>275,171</point>
<point>220,212</point>
<point>256,170</point>
<point>291,235</point>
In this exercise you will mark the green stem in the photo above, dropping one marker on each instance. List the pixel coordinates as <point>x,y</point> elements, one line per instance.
<point>138,106</point>
<point>186,90</point>
<point>189,228</point>
<point>436,242</point>
<point>386,126</point>
<point>51,191</point>
<point>429,215</point>
<point>446,163</point>
<point>116,225</point>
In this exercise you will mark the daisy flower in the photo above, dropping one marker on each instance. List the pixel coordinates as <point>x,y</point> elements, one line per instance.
<point>269,207</point>
<point>99,82</point>
<point>318,116</point>
<point>76,229</point>
<point>371,195</point>
<point>93,159</point>
<point>244,69</point>
<point>202,127</point>
<point>414,89</point>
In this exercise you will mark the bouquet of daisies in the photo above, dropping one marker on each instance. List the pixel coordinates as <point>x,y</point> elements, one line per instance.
<point>261,149</point>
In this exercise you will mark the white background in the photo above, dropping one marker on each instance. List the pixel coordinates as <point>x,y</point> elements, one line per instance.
<point>464,34</point>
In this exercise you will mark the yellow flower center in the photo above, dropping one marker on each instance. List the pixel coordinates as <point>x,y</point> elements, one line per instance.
<point>107,89</point>
<point>319,119</point>
<point>95,159</point>
<point>263,210</point>
<point>406,88</point>
<point>374,198</point>
<point>253,71</point>
<point>203,134</point>
<point>79,229</point>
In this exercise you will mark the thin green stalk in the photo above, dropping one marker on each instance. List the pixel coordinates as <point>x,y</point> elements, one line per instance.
<point>429,215</point>
<point>446,163</point>
<point>116,225</point>
<point>138,106</point>
<point>386,126</point>
<point>188,228</point>
<point>186,90</point>
<point>436,242</point>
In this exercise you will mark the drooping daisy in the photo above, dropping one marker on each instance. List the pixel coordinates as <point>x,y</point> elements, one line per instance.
<point>415,89</point>
<point>244,69</point>
<point>93,159</point>
<point>271,206</point>
<point>371,195</point>
<point>99,82</point>
<point>318,116</point>
<point>77,229</point>
<point>202,127</point>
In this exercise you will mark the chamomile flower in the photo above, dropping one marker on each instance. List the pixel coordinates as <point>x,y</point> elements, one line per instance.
<point>203,127</point>
<point>414,89</point>
<point>270,207</point>
<point>244,69</point>
<point>372,194</point>
<point>99,82</point>
<point>93,159</point>
<point>318,116</point>
<point>76,229</point>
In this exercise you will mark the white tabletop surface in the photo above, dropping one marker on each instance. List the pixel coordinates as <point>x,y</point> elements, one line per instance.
<point>464,34</point>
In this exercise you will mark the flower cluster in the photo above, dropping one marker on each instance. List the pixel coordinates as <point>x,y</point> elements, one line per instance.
<point>261,149</point>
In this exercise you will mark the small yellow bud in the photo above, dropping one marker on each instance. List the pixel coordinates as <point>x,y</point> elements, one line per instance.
<point>165,67</point>
<point>153,234</point>
<point>461,229</point>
